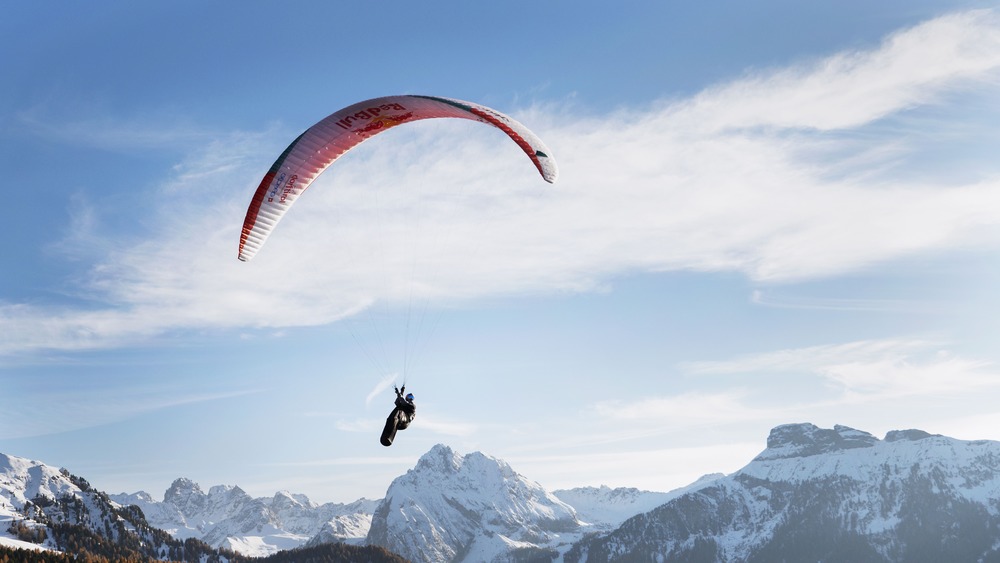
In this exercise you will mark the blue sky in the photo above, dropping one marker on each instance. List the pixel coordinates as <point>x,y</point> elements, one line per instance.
<point>768,213</point>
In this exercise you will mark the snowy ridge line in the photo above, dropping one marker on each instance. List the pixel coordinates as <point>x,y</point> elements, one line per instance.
<point>815,493</point>
<point>810,492</point>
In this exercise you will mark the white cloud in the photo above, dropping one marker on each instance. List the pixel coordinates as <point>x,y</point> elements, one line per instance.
<point>143,133</point>
<point>978,426</point>
<point>685,409</point>
<point>911,68</point>
<point>738,178</point>
<point>445,426</point>
<point>811,358</point>
<point>787,301</point>
<point>428,424</point>
<point>362,425</point>
<point>64,410</point>
<point>381,386</point>
<point>648,468</point>
<point>896,377</point>
<point>868,370</point>
<point>862,384</point>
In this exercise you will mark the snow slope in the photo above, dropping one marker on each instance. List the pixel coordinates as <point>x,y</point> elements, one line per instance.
<point>228,517</point>
<point>7,539</point>
<point>820,494</point>
<point>811,494</point>
<point>604,508</point>
<point>36,496</point>
<point>61,509</point>
<point>23,481</point>
<point>473,508</point>
<point>476,508</point>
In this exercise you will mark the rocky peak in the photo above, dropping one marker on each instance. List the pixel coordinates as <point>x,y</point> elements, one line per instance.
<point>823,495</point>
<point>284,500</point>
<point>908,435</point>
<point>472,507</point>
<point>804,440</point>
<point>440,459</point>
<point>181,491</point>
<point>229,495</point>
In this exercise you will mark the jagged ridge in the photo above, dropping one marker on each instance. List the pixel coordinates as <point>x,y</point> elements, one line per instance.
<point>821,494</point>
<point>471,507</point>
<point>227,517</point>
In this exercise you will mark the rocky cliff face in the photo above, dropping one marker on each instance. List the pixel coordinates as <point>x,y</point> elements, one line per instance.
<point>829,494</point>
<point>835,494</point>
<point>467,508</point>
<point>52,509</point>
<point>228,517</point>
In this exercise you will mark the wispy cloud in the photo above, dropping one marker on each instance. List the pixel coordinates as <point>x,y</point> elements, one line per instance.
<point>870,382</point>
<point>868,370</point>
<point>145,133</point>
<point>811,358</point>
<point>380,387</point>
<point>362,425</point>
<point>686,409</point>
<point>429,424</point>
<point>344,461</point>
<point>64,410</point>
<point>895,377</point>
<point>786,301</point>
<point>737,178</point>
<point>851,89</point>
<point>446,426</point>
<point>649,468</point>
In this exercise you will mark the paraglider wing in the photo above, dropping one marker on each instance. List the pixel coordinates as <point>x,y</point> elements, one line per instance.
<point>323,143</point>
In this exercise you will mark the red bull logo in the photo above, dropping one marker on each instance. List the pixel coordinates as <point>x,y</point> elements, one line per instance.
<point>374,113</point>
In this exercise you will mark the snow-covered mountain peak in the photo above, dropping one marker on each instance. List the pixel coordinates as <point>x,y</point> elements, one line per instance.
<point>11,464</point>
<point>441,459</point>
<point>805,440</point>
<point>137,497</point>
<point>284,500</point>
<point>823,494</point>
<point>908,435</point>
<point>472,506</point>
<point>231,490</point>
<point>606,495</point>
<point>604,508</point>
<point>227,516</point>
<point>36,496</point>
<point>23,479</point>
<point>181,491</point>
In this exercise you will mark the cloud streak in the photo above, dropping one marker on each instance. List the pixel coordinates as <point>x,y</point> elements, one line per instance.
<point>76,409</point>
<point>745,177</point>
<point>385,383</point>
<point>769,299</point>
<point>867,370</point>
<point>685,409</point>
<point>874,380</point>
<point>912,68</point>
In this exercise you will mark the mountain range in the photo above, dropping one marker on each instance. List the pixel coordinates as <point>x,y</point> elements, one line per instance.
<point>812,494</point>
<point>828,495</point>
<point>227,517</point>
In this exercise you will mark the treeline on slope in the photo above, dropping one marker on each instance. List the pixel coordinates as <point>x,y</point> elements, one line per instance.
<point>83,544</point>
<point>326,553</point>
<point>128,537</point>
<point>330,553</point>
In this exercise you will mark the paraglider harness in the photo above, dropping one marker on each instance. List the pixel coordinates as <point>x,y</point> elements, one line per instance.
<point>407,410</point>
<point>400,417</point>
